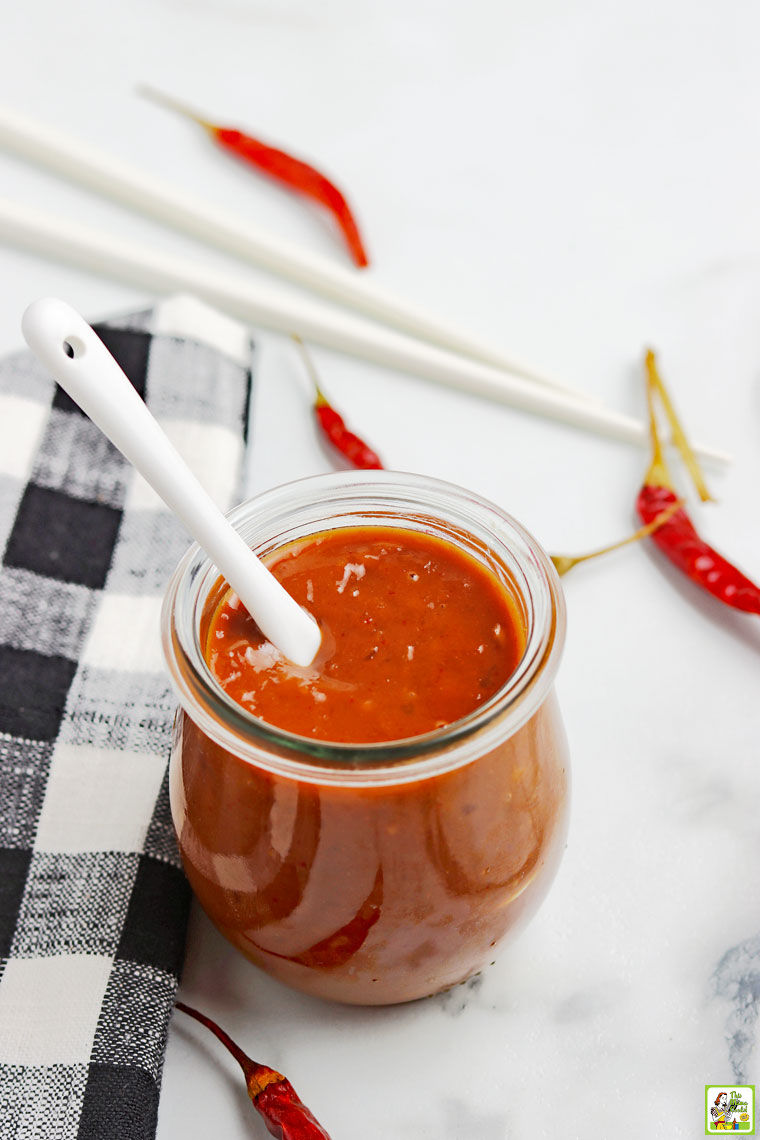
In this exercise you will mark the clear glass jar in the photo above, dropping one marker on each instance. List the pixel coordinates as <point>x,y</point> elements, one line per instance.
<point>372,873</point>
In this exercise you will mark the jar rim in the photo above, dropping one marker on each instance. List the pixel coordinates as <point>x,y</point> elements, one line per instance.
<point>385,493</point>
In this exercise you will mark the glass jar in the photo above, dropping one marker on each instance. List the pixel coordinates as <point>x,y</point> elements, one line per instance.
<point>372,873</point>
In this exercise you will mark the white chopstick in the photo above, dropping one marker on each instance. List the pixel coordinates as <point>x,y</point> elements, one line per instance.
<point>146,268</point>
<point>121,182</point>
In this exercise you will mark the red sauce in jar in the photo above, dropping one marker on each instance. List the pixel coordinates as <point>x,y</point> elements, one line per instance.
<point>363,892</point>
<point>416,634</point>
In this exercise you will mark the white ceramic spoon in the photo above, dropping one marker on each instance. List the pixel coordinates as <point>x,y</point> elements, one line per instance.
<point>83,366</point>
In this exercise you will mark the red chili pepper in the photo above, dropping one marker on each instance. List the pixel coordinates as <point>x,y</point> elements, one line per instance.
<point>285,1116</point>
<point>351,447</point>
<point>678,538</point>
<point>282,167</point>
<point>355,450</point>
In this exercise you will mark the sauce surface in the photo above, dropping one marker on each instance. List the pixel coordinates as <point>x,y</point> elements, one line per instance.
<point>416,634</point>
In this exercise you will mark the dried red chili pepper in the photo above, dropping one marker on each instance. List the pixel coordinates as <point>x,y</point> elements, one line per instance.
<point>282,167</point>
<point>273,1096</point>
<point>333,427</point>
<point>678,539</point>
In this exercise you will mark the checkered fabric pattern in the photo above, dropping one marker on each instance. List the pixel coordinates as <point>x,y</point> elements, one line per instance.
<point>93,902</point>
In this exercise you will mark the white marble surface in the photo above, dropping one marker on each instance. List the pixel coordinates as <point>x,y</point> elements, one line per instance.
<point>572,180</point>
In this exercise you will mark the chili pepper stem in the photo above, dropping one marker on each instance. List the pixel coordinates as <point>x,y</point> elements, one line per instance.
<point>656,384</point>
<point>320,398</point>
<point>172,104</point>
<point>257,1076</point>
<point>658,473</point>
<point>242,1058</point>
<point>563,562</point>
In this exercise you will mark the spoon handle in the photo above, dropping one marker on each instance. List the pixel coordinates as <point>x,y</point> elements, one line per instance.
<point>83,366</point>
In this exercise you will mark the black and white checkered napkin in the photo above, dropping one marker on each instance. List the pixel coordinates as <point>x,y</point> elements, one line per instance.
<point>93,903</point>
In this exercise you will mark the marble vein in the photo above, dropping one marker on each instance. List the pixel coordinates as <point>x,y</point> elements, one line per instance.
<point>737,978</point>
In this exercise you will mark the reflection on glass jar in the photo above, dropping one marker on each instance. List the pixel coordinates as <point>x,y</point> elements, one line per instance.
<point>372,873</point>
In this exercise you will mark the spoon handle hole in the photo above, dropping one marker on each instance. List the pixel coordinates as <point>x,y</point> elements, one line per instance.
<point>73,347</point>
